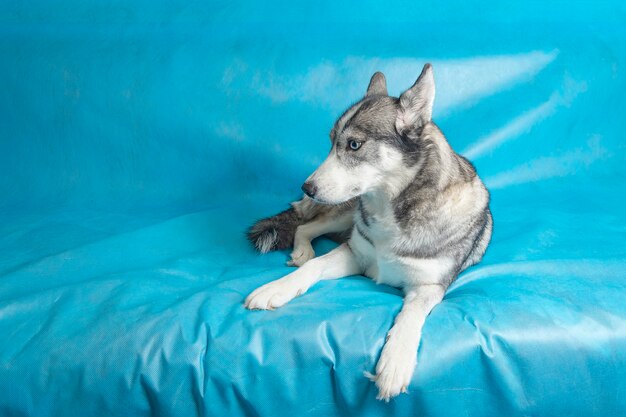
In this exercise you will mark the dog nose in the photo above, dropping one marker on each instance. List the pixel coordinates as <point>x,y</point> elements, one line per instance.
<point>309,189</point>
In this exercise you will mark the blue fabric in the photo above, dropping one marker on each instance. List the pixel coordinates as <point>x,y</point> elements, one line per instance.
<point>138,140</point>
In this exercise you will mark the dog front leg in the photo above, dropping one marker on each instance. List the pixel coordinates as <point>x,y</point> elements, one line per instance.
<point>338,263</point>
<point>399,355</point>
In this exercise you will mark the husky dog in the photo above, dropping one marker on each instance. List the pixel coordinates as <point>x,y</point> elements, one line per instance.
<point>413,214</point>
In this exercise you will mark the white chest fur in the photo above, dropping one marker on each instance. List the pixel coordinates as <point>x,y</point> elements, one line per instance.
<point>373,241</point>
<point>385,267</point>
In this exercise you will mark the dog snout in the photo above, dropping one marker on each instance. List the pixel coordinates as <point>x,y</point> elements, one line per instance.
<point>309,189</point>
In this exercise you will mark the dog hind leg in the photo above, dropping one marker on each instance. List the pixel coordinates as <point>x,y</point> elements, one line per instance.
<point>321,225</point>
<point>278,232</point>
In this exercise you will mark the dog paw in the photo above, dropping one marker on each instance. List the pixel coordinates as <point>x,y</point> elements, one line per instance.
<point>301,254</point>
<point>273,295</point>
<point>394,369</point>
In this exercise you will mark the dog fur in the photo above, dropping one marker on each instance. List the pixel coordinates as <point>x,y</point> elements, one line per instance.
<point>410,211</point>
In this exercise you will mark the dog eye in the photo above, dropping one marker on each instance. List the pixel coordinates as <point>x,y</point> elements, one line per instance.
<point>354,145</point>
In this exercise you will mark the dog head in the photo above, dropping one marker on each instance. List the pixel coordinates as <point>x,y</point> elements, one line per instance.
<point>374,141</point>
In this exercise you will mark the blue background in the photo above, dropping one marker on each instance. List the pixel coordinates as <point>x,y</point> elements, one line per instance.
<point>139,139</point>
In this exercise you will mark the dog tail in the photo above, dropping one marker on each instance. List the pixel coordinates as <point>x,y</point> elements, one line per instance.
<point>276,232</point>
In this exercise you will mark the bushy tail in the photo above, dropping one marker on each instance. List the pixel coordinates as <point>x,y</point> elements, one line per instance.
<point>276,232</point>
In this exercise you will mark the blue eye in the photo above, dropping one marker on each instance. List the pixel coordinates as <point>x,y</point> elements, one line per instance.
<point>354,145</point>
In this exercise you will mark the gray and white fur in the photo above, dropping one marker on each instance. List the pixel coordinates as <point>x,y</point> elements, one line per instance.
<point>413,212</point>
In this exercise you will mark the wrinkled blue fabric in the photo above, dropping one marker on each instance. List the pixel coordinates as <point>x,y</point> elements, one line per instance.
<point>139,139</point>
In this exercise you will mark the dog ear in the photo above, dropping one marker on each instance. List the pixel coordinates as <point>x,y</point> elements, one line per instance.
<point>378,85</point>
<point>416,103</point>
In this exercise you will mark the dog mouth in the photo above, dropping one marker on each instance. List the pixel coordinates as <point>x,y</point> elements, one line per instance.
<point>320,200</point>
<point>321,195</point>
